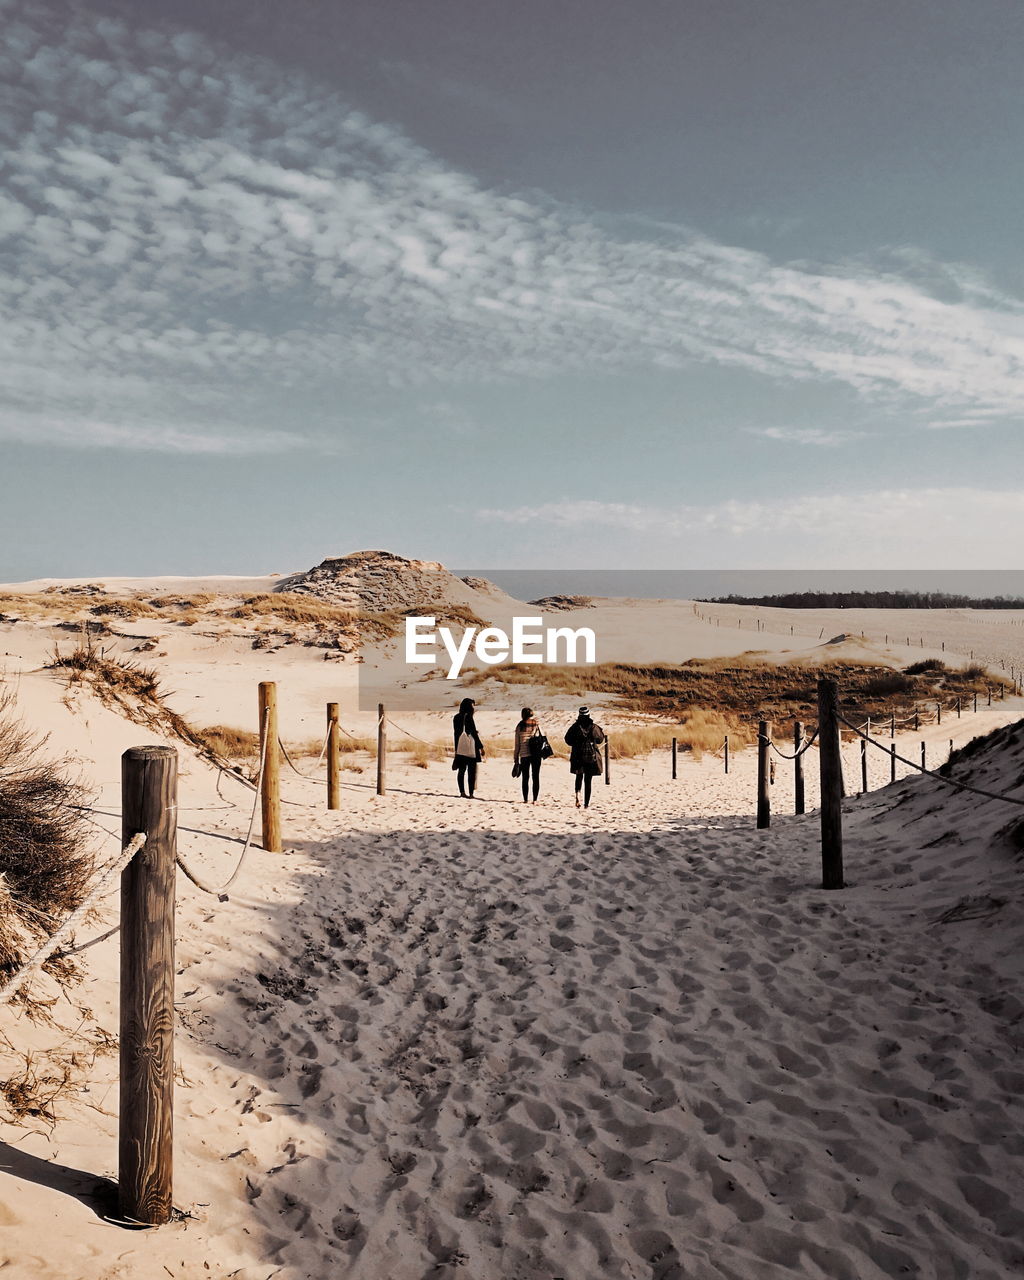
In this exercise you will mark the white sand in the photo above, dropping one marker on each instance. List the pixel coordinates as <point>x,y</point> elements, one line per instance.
<point>448,1038</point>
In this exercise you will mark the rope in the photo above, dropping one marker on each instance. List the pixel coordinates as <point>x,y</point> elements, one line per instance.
<point>951,782</point>
<point>220,891</point>
<point>292,765</point>
<point>790,755</point>
<point>408,734</point>
<point>14,984</point>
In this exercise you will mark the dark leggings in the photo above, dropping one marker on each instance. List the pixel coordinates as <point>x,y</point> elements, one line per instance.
<point>586,781</point>
<point>466,772</point>
<point>530,765</point>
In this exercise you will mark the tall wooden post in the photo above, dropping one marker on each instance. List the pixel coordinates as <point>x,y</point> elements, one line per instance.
<point>270,792</point>
<point>674,757</point>
<point>798,766</point>
<point>726,751</point>
<point>892,762</point>
<point>333,757</point>
<point>958,708</point>
<point>764,808</point>
<point>382,750</point>
<point>938,713</point>
<point>924,756</point>
<point>863,767</point>
<point>831,764</point>
<point>149,803</point>
<point>892,725</point>
<point>607,775</point>
<point>975,701</point>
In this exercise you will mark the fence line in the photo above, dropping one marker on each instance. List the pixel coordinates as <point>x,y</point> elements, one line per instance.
<point>951,782</point>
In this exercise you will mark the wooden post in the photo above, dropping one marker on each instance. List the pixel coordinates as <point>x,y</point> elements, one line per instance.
<point>958,708</point>
<point>764,810</point>
<point>607,776</point>
<point>149,795</point>
<point>675,757</point>
<point>924,756</point>
<point>863,767</point>
<point>831,765</point>
<point>382,750</point>
<point>892,725</point>
<point>975,701</point>
<point>989,695</point>
<point>917,717</point>
<point>270,793</point>
<point>892,762</point>
<point>938,713</point>
<point>333,757</point>
<point>798,767</point>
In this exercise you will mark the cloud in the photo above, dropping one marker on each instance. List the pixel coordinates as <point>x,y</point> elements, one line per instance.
<point>184,229</point>
<point>82,433</point>
<point>818,436</point>
<point>943,528</point>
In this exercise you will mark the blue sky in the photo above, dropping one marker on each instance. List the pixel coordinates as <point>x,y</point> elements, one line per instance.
<point>587,284</point>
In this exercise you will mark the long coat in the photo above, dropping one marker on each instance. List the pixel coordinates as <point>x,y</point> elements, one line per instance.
<point>584,739</point>
<point>462,722</point>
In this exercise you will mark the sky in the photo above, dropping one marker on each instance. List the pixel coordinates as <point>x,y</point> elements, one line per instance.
<point>577,283</point>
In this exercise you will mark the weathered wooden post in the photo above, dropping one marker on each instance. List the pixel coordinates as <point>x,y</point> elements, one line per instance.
<point>958,708</point>
<point>674,757</point>
<point>798,767</point>
<point>831,765</point>
<point>764,811</point>
<point>975,702</point>
<point>726,751</point>
<point>892,725</point>
<point>333,757</point>
<point>938,713</point>
<point>382,750</point>
<point>989,695</point>
<point>892,762</point>
<point>149,804</point>
<point>607,758</point>
<point>924,755</point>
<point>917,717</point>
<point>863,767</point>
<point>270,790</point>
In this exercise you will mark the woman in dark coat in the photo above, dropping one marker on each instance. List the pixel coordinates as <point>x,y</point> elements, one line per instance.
<point>585,738</point>
<point>469,750</point>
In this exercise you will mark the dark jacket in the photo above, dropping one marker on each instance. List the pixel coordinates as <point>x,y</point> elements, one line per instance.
<point>462,722</point>
<point>585,738</point>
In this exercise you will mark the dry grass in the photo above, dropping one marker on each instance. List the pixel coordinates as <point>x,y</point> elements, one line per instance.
<point>290,606</point>
<point>231,744</point>
<point>45,867</point>
<point>743,690</point>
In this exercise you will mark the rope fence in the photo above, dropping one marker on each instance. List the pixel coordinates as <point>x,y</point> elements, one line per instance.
<point>950,782</point>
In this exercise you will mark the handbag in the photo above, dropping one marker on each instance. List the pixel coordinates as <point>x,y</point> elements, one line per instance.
<point>539,746</point>
<point>466,745</point>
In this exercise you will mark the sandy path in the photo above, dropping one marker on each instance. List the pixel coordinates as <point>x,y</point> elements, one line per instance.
<point>441,1038</point>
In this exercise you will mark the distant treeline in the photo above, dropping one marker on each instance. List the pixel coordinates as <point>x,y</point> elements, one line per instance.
<point>871,600</point>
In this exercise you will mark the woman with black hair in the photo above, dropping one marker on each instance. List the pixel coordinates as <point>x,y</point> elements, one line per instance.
<point>585,738</point>
<point>469,750</point>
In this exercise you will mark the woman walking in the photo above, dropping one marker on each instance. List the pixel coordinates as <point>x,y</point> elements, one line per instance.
<point>585,738</point>
<point>529,753</point>
<point>469,750</point>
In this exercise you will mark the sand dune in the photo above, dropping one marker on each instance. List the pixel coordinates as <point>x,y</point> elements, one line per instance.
<point>441,1038</point>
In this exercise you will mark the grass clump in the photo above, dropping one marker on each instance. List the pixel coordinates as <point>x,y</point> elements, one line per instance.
<point>45,866</point>
<point>118,677</point>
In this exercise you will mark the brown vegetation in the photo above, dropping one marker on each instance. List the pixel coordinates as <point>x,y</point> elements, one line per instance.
<point>44,864</point>
<point>744,690</point>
